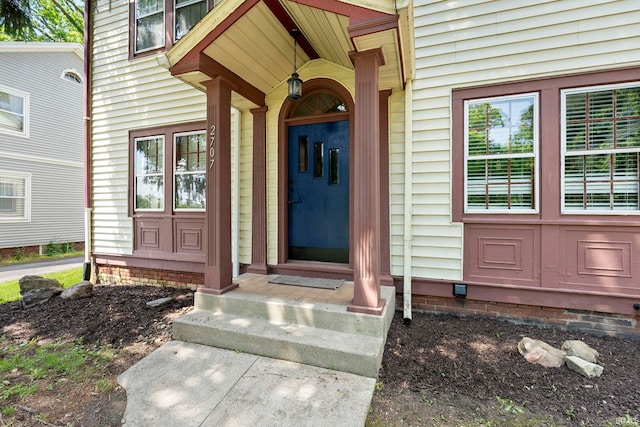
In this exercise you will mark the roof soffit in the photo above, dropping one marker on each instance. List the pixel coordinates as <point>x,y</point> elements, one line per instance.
<point>251,40</point>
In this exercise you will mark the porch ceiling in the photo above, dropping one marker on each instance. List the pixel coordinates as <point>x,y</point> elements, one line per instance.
<point>249,43</point>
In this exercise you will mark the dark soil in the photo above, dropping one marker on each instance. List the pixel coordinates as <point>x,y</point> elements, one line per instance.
<point>116,317</point>
<point>450,371</point>
<point>440,370</point>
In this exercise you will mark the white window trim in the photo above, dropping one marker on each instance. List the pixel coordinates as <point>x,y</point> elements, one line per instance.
<point>563,150</point>
<point>173,170</point>
<point>163,174</point>
<point>26,107</point>
<point>135,25</point>
<point>536,159</point>
<point>27,196</point>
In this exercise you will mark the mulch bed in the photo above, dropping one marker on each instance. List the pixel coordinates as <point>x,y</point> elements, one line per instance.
<point>441,370</point>
<point>474,363</point>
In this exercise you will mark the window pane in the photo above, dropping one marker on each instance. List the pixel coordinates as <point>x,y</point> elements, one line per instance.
<point>501,127</point>
<point>590,183</point>
<point>600,135</point>
<point>190,191</point>
<point>628,102</point>
<point>303,154</point>
<point>318,159</point>
<point>607,181</point>
<point>334,166</point>
<point>600,104</point>
<point>189,171</point>
<point>502,130</point>
<point>149,171</point>
<point>149,24</point>
<point>11,112</point>
<point>149,192</point>
<point>628,132</point>
<point>150,32</point>
<point>319,103</point>
<point>187,16</point>
<point>148,7</point>
<point>190,153</point>
<point>625,181</point>
<point>12,197</point>
<point>149,156</point>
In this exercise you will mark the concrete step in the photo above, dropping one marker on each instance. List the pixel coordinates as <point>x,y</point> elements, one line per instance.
<point>322,335</point>
<point>342,351</point>
<point>282,311</point>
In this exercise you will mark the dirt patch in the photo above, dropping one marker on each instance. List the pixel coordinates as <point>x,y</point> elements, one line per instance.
<point>440,370</point>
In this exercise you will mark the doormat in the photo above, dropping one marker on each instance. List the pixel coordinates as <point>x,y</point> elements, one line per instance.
<point>310,282</point>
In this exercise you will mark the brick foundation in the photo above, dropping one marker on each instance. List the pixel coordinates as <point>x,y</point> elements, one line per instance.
<point>625,326</point>
<point>26,251</point>
<point>146,276</point>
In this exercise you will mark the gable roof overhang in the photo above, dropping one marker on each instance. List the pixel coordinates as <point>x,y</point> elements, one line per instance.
<point>248,42</point>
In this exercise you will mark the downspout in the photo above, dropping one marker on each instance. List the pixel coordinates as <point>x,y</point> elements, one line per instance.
<point>408,205</point>
<point>88,47</point>
<point>235,247</point>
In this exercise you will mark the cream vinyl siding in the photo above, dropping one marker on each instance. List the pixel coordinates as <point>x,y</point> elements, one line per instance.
<point>126,95</point>
<point>396,179</point>
<point>246,186</point>
<point>461,44</point>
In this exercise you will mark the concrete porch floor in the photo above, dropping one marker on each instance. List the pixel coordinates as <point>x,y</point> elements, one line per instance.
<point>258,284</point>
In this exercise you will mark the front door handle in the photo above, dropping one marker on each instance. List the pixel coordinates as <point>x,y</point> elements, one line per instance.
<point>291,202</point>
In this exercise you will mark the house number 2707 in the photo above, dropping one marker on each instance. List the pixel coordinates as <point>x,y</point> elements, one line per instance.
<point>212,146</point>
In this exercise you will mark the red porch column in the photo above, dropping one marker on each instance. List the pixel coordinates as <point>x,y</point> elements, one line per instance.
<point>385,234</point>
<point>366,184</point>
<point>218,269</point>
<point>259,197</point>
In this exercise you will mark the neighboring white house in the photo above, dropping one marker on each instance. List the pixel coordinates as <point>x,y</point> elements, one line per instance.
<point>492,145</point>
<point>41,146</point>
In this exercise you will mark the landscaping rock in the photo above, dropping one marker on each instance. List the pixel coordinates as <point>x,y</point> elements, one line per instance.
<point>161,302</point>
<point>583,367</point>
<point>83,289</point>
<point>580,349</point>
<point>536,351</point>
<point>30,282</point>
<point>38,296</point>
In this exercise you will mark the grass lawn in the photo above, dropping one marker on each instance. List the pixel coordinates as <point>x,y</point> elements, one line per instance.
<point>10,291</point>
<point>22,259</point>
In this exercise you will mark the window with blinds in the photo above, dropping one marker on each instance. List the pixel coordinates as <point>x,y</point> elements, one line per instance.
<point>601,149</point>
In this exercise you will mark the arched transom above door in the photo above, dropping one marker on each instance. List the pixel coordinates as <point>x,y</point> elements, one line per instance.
<point>318,104</point>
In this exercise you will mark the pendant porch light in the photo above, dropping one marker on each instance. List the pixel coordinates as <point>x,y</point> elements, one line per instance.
<point>294,83</point>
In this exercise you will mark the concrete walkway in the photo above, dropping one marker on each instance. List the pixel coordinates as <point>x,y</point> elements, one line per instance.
<point>186,384</point>
<point>16,271</point>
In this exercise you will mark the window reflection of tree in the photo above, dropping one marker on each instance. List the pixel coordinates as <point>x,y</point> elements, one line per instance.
<point>149,173</point>
<point>190,176</point>
<point>501,129</point>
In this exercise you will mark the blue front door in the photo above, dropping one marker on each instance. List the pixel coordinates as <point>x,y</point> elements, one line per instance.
<point>319,192</point>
